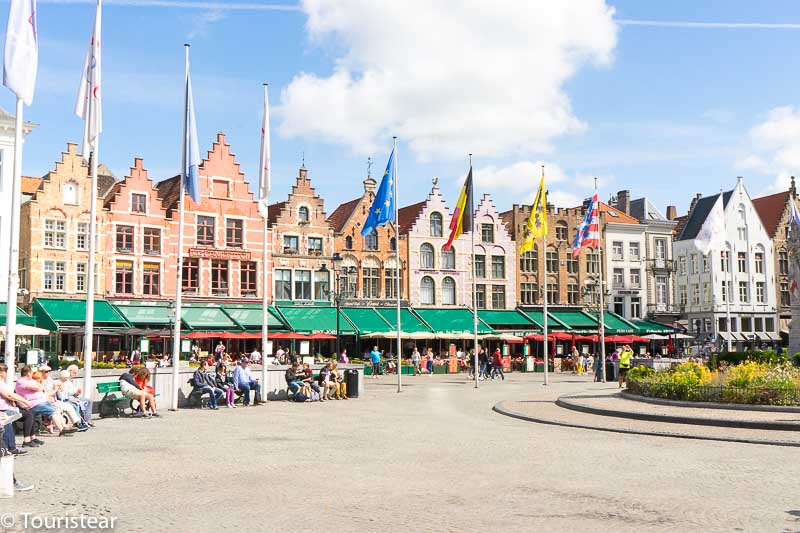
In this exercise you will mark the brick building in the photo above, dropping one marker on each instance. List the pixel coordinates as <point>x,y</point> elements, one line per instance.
<point>372,260</point>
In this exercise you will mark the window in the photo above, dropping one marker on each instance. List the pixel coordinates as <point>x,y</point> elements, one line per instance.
<point>348,243</point>
<point>152,279</point>
<point>80,277</point>
<point>695,265</point>
<point>427,291</point>
<point>572,264</point>
<point>744,292</point>
<point>633,250</point>
<point>705,263</point>
<point>315,245</point>
<point>71,196</point>
<point>125,239</point>
<point>572,293</point>
<point>551,263</point>
<point>742,233</point>
<point>529,293</point>
<point>283,284</point>
<point>783,262</point>
<point>498,297</point>
<point>592,263</point>
<point>769,324</point>
<point>247,278</point>
<point>219,277</point>
<point>661,250</point>
<point>695,294</point>
<point>759,262</point>
<point>55,234</point>
<point>393,244</point>
<point>636,278</point>
<point>616,250</point>
<point>747,324</point>
<point>682,296</point>
<point>124,277</point>
<point>426,256</point>
<point>54,275</point>
<point>552,290</point>
<point>498,267</point>
<point>785,299</point>
<point>733,324</point>
<point>480,296</point>
<point>487,232</point>
<point>636,307</point>
<point>480,266</point>
<point>234,233</point>
<point>302,284</point>
<point>619,305</point>
<point>722,325</point>
<point>682,265</point>
<point>724,261</point>
<point>291,244</point>
<point>302,214</point>
<point>448,291</point>
<point>707,296</point>
<point>138,203</point>
<point>152,241</point>
<point>436,225</point>
<point>618,279</point>
<point>220,188</point>
<point>761,295</point>
<point>726,290</point>
<point>449,259</point>
<point>390,283</point>
<point>321,281</point>
<point>205,230</point>
<point>759,324</point>
<point>742,261</point>
<point>661,290</point>
<point>371,282</point>
<point>529,261</point>
<point>561,231</point>
<point>371,241</point>
<point>82,236</point>
<point>191,275</point>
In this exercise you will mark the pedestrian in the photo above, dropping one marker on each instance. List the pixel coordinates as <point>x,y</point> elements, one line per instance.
<point>430,361</point>
<point>219,352</point>
<point>343,359</point>
<point>581,363</point>
<point>483,359</point>
<point>375,357</point>
<point>598,368</point>
<point>624,363</point>
<point>497,364</point>
<point>255,356</point>
<point>415,359</point>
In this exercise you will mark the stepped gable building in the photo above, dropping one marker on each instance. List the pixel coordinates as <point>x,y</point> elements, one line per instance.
<point>303,243</point>
<point>54,230</point>
<point>369,263</point>
<point>495,259</point>
<point>223,233</point>
<point>774,211</point>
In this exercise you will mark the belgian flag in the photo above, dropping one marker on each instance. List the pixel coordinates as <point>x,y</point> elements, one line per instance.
<point>462,219</point>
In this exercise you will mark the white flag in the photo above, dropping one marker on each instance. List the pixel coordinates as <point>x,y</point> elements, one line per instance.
<point>191,145</point>
<point>264,180</point>
<point>88,106</point>
<point>21,57</point>
<point>712,235</point>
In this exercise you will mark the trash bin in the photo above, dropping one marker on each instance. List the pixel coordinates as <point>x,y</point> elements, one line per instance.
<point>351,379</point>
<point>610,374</point>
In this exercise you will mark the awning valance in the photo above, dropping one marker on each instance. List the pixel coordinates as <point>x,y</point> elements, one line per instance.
<point>251,316</point>
<point>452,321</point>
<point>206,317</point>
<point>577,321</point>
<point>313,319</point>
<point>22,316</point>
<point>367,321</point>
<point>409,322</point>
<point>644,327</point>
<point>57,314</point>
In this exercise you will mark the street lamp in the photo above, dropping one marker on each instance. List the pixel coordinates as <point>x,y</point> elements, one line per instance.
<point>171,318</point>
<point>338,293</point>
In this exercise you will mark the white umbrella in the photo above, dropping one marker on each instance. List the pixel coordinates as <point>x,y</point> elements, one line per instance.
<point>655,337</point>
<point>682,336</point>
<point>24,330</point>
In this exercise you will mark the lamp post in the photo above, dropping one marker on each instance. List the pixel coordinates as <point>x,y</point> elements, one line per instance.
<point>338,293</point>
<point>171,318</point>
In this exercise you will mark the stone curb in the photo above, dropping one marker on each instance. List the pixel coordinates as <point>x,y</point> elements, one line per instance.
<point>500,409</point>
<point>564,401</point>
<point>710,405</point>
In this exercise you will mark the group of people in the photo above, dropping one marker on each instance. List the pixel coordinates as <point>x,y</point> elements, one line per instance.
<point>304,387</point>
<point>620,358</point>
<point>223,384</point>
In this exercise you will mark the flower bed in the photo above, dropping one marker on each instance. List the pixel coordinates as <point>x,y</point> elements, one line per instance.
<point>746,383</point>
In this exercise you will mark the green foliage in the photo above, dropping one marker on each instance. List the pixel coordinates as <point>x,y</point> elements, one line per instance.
<point>640,372</point>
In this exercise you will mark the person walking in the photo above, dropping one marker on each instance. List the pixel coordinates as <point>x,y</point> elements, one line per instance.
<point>415,359</point>
<point>430,361</point>
<point>375,357</point>
<point>497,364</point>
<point>624,363</point>
<point>598,368</point>
<point>483,358</point>
<point>581,363</point>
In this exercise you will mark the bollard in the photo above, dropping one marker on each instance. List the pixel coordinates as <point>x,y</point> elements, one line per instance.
<point>7,476</point>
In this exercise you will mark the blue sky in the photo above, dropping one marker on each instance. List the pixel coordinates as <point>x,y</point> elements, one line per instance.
<point>662,111</point>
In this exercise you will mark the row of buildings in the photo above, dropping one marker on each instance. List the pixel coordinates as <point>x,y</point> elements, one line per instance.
<point>648,264</point>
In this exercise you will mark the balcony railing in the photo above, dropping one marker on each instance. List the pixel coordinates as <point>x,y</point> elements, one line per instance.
<point>666,308</point>
<point>664,265</point>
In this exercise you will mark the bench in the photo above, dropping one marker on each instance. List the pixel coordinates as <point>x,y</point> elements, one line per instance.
<point>113,405</point>
<point>195,398</point>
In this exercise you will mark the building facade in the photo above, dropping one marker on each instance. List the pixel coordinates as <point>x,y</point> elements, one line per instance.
<point>495,259</point>
<point>302,245</point>
<point>369,263</point>
<point>624,244</point>
<point>742,276</point>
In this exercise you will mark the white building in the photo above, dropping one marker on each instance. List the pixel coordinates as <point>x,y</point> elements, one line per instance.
<point>624,245</point>
<point>745,272</point>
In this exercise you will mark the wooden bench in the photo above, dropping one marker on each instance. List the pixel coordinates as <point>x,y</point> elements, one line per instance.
<point>112,405</point>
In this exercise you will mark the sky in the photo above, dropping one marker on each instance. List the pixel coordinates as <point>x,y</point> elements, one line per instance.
<point>664,99</point>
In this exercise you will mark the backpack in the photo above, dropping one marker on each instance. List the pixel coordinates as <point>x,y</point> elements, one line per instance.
<point>300,397</point>
<point>314,396</point>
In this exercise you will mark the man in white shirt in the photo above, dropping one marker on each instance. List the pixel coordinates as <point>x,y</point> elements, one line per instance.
<point>255,356</point>
<point>279,354</point>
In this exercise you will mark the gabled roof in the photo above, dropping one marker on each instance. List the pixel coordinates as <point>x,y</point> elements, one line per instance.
<point>507,217</point>
<point>169,192</point>
<point>616,216</point>
<point>698,215</point>
<point>342,214</point>
<point>408,215</point>
<point>681,223</point>
<point>274,211</point>
<point>770,209</point>
<point>30,185</point>
<point>644,210</point>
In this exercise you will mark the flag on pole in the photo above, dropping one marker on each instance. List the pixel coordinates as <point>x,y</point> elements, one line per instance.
<point>589,230</point>
<point>712,234</point>
<point>462,215</point>
<point>264,179</point>
<point>794,215</point>
<point>191,148</point>
<point>21,57</point>
<point>537,222</point>
<point>382,210</point>
<point>89,104</point>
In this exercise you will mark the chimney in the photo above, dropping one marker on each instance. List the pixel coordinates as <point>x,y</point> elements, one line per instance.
<point>694,201</point>
<point>624,202</point>
<point>672,212</point>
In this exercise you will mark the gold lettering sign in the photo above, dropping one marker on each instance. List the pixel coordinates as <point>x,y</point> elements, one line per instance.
<point>213,253</point>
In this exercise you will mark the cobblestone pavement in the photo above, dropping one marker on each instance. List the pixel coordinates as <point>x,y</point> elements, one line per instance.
<point>434,458</point>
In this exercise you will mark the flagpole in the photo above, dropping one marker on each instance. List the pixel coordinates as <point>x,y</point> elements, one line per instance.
<point>176,335</point>
<point>265,273</point>
<point>13,256</point>
<point>397,280</point>
<point>544,341</point>
<point>474,293</point>
<point>600,313</point>
<point>729,294</point>
<point>90,285</point>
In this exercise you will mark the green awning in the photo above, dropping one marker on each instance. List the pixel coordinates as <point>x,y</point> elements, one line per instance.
<point>206,317</point>
<point>22,316</point>
<point>251,316</point>
<point>446,321</point>
<point>409,322</point>
<point>509,321</point>
<point>646,327</point>
<point>57,314</point>
<point>578,321</point>
<point>367,320</point>
<point>313,319</point>
<point>553,324</point>
<point>615,324</point>
<point>146,315</point>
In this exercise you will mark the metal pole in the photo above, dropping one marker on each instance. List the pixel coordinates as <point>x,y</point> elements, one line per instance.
<point>729,294</point>
<point>474,293</point>
<point>338,299</point>
<point>544,314</point>
<point>265,288</point>
<point>397,282</point>
<point>90,285</point>
<point>601,311</point>
<point>13,256</point>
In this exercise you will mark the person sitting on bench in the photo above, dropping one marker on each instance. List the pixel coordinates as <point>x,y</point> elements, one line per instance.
<point>292,378</point>
<point>222,381</point>
<point>33,393</point>
<point>130,389</point>
<point>201,385</point>
<point>244,381</point>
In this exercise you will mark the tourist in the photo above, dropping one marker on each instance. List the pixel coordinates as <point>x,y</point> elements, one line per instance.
<point>581,363</point>
<point>483,358</point>
<point>429,355</point>
<point>202,386</point>
<point>338,380</point>
<point>598,368</point>
<point>12,403</point>
<point>415,361</point>
<point>307,378</point>
<point>326,383</point>
<point>255,356</point>
<point>131,389</point>
<point>69,392</point>
<point>292,379</point>
<point>279,354</point>
<point>33,392</point>
<point>244,381</point>
<point>497,364</point>
<point>219,351</point>
<point>375,357</point>
<point>343,357</point>
<point>223,382</point>
<point>624,363</point>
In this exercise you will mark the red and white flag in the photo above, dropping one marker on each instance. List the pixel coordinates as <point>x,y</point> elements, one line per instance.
<point>88,106</point>
<point>21,56</point>
<point>264,179</point>
<point>589,230</point>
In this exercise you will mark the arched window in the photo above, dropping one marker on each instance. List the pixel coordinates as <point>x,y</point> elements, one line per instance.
<point>448,291</point>
<point>449,258</point>
<point>348,243</point>
<point>426,256</point>
<point>393,244</point>
<point>371,241</point>
<point>427,291</point>
<point>302,214</point>
<point>436,224</point>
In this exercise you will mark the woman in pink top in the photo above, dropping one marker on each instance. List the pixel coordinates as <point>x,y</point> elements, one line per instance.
<point>33,392</point>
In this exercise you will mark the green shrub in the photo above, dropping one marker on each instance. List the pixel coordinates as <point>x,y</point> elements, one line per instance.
<point>640,372</point>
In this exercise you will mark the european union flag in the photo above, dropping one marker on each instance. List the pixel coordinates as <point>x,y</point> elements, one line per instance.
<point>382,210</point>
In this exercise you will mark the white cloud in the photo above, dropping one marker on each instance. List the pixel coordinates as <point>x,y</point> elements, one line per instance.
<point>203,21</point>
<point>776,147</point>
<point>481,77</point>
<point>185,4</point>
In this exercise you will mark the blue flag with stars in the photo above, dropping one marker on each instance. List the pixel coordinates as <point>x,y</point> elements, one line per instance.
<point>382,210</point>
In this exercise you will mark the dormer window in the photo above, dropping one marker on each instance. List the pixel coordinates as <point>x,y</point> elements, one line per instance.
<point>71,193</point>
